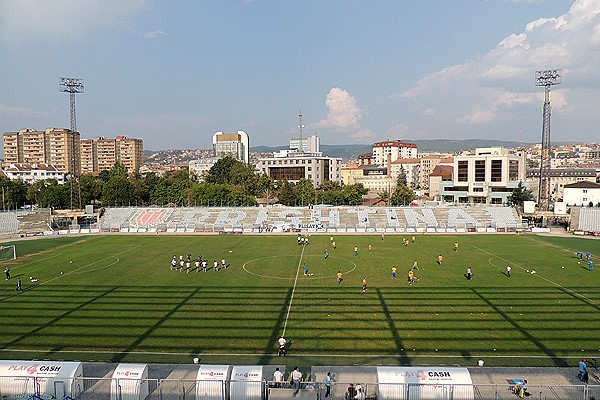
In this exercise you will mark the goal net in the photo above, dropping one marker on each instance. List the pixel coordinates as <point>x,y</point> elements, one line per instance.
<point>8,252</point>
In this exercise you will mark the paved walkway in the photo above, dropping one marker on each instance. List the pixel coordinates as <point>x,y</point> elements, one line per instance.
<point>479,375</point>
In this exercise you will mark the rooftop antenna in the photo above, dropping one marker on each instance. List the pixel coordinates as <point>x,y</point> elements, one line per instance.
<point>300,126</point>
<point>546,78</point>
<point>72,86</point>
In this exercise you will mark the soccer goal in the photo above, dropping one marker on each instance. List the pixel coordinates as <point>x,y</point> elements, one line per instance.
<point>8,252</point>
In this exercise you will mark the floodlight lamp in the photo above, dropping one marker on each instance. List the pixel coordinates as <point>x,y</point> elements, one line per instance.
<point>548,77</point>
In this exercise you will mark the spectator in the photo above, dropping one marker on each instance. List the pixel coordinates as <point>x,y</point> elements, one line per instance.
<point>296,378</point>
<point>278,377</point>
<point>351,392</point>
<point>583,372</point>
<point>328,379</point>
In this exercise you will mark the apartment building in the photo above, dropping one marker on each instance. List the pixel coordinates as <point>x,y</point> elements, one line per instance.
<point>66,151</point>
<point>392,150</point>
<point>130,152</point>
<point>411,168</point>
<point>89,156</point>
<point>58,147</point>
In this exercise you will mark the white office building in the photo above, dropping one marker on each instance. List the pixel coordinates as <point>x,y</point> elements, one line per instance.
<point>235,145</point>
<point>488,176</point>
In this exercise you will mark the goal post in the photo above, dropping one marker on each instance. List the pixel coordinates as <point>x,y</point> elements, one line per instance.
<point>8,252</point>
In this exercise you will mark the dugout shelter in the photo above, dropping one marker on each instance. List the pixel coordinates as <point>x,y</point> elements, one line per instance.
<point>44,379</point>
<point>246,382</point>
<point>423,383</point>
<point>129,382</point>
<point>211,382</point>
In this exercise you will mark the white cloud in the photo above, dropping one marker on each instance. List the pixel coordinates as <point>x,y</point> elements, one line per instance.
<point>21,111</point>
<point>152,35</point>
<point>363,134</point>
<point>60,19</point>
<point>490,88</point>
<point>343,111</point>
<point>398,132</point>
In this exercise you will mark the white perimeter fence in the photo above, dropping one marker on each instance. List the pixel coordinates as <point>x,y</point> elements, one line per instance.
<point>28,387</point>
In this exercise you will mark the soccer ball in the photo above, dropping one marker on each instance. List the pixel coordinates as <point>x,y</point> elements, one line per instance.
<point>71,262</point>
<point>61,272</point>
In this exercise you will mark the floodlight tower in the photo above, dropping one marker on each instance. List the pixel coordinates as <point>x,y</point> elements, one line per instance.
<point>72,86</point>
<point>546,78</point>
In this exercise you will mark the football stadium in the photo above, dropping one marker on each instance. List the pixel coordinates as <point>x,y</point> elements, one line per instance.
<point>410,302</point>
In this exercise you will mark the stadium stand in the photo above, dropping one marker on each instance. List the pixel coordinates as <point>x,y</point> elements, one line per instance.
<point>588,219</point>
<point>357,219</point>
<point>9,224</point>
<point>34,221</point>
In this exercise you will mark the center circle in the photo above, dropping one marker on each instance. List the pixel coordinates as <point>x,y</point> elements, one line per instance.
<point>278,267</point>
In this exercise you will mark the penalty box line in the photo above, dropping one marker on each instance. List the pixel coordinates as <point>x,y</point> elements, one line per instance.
<point>71,272</point>
<point>293,291</point>
<point>574,293</point>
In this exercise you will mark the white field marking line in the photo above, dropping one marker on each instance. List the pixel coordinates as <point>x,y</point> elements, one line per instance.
<point>35,261</point>
<point>293,291</point>
<point>295,355</point>
<point>540,276</point>
<point>90,264</point>
<point>70,272</point>
<point>99,268</point>
<point>280,277</point>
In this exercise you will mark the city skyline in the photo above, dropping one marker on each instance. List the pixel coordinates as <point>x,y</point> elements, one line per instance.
<point>174,73</point>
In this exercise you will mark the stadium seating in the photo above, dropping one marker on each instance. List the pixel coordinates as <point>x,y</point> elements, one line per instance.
<point>354,219</point>
<point>34,221</point>
<point>589,220</point>
<point>9,224</point>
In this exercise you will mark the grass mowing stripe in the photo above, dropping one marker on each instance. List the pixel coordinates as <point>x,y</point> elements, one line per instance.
<point>582,297</point>
<point>293,291</point>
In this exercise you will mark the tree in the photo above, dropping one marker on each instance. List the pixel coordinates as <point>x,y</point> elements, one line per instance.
<point>520,195</point>
<point>383,196</point>
<point>91,188</point>
<point>403,195</point>
<point>118,169</point>
<point>13,192</point>
<point>118,191</point>
<point>401,179</point>
<point>333,197</point>
<point>353,194</point>
<point>265,187</point>
<point>287,194</point>
<point>305,192</point>
<point>229,171</point>
<point>56,196</point>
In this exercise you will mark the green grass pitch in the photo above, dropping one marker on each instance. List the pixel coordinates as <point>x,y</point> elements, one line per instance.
<point>118,300</point>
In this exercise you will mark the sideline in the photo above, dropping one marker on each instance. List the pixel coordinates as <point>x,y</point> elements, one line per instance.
<point>436,355</point>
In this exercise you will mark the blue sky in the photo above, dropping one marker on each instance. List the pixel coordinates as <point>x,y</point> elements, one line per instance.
<point>174,72</point>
